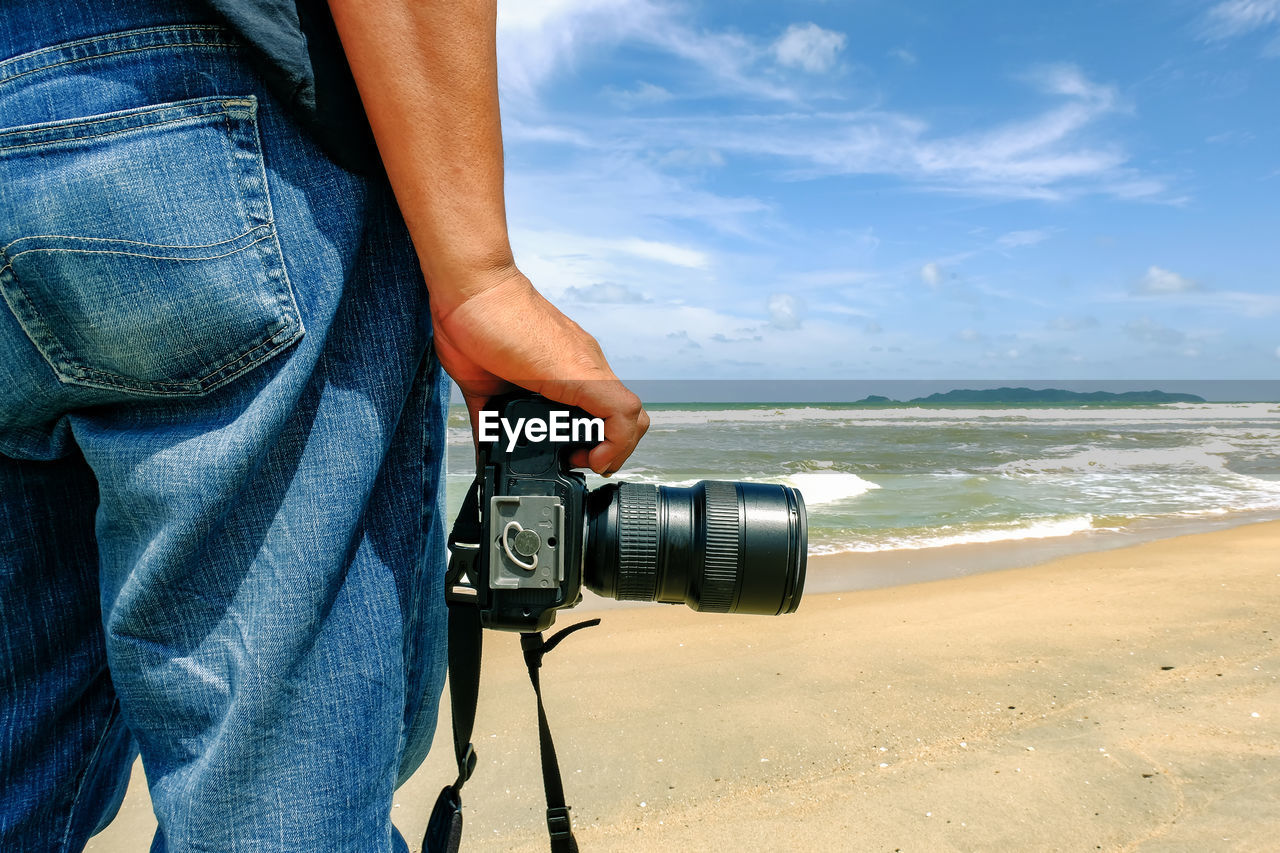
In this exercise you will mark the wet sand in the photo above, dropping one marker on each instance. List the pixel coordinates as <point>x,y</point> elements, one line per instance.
<point>1117,700</point>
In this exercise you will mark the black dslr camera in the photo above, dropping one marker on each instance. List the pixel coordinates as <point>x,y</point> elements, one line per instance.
<point>530,535</point>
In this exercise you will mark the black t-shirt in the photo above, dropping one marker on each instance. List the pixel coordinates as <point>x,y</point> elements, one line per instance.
<point>296,48</point>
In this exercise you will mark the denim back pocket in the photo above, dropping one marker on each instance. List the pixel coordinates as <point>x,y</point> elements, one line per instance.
<point>137,248</point>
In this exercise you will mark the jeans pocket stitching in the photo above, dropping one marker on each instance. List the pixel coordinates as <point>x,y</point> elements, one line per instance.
<point>198,112</point>
<point>119,116</point>
<point>69,368</point>
<point>4,249</point>
<point>247,150</point>
<point>247,170</point>
<point>266,236</point>
<point>31,320</point>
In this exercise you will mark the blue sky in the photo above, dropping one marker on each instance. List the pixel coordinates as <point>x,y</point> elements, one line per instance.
<point>877,189</point>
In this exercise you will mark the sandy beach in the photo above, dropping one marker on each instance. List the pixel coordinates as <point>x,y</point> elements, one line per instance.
<point>1116,700</point>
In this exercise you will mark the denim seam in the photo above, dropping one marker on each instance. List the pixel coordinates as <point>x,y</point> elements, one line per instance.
<point>159,46</point>
<point>4,249</point>
<point>413,620</point>
<point>138,254</point>
<point>232,143</point>
<point>126,35</point>
<point>57,355</point>
<point>269,347</point>
<point>273,264</point>
<point>48,143</point>
<point>272,344</point>
<point>114,53</point>
<point>84,774</point>
<point>192,105</point>
<point>53,351</point>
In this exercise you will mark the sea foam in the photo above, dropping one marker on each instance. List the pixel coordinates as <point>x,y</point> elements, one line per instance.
<point>1046,528</point>
<point>825,487</point>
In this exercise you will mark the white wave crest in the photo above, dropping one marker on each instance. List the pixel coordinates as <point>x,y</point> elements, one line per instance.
<point>825,487</point>
<point>1203,455</point>
<point>1046,528</point>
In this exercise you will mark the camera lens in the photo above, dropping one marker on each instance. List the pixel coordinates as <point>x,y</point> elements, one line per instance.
<point>717,546</point>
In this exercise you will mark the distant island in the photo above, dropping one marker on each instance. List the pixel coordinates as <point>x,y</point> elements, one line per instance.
<point>1037,395</point>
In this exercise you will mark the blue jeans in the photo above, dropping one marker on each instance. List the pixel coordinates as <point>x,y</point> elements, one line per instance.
<point>221,451</point>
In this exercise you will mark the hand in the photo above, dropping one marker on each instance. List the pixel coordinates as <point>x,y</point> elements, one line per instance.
<point>503,333</point>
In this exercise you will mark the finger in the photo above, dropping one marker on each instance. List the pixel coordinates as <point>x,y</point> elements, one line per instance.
<point>625,420</point>
<point>622,433</point>
<point>477,396</point>
<point>579,458</point>
<point>474,405</point>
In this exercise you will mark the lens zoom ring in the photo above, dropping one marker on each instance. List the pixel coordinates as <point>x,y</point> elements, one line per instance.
<point>637,542</point>
<point>724,548</point>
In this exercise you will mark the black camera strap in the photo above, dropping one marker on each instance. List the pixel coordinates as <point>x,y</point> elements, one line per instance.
<point>444,829</point>
<point>559,827</point>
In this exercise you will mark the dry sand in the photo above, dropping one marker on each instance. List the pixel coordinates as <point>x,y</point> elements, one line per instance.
<point>1118,700</point>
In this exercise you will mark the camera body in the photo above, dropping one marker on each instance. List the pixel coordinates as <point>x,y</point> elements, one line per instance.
<point>530,535</point>
<point>529,557</point>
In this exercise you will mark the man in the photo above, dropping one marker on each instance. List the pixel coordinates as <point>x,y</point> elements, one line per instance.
<point>221,408</point>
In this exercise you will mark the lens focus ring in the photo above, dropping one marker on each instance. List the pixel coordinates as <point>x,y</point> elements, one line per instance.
<point>638,542</point>
<point>721,562</point>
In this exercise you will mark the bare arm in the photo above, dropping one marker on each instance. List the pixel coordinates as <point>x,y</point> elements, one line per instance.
<point>427,74</point>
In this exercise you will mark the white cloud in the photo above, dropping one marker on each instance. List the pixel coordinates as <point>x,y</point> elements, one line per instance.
<point>681,337</point>
<point>1051,155</point>
<point>667,253</point>
<point>619,223</point>
<point>833,278</point>
<point>604,291</point>
<point>904,56</point>
<point>785,310</point>
<point>739,336</point>
<point>1277,352</point>
<point>931,274</point>
<point>1238,302</point>
<point>1247,304</point>
<point>1070,323</point>
<point>1033,153</point>
<point>1014,239</point>
<point>618,192</point>
<point>1044,156</point>
<point>643,94</point>
<point>536,40</point>
<point>1136,189</point>
<point>584,267</point>
<point>692,158</point>
<point>1147,331</point>
<point>808,46</point>
<point>1067,79</point>
<point>1160,281</point>
<point>1237,17</point>
<point>516,130</point>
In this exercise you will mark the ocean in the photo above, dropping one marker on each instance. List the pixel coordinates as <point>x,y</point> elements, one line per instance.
<point>905,478</point>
